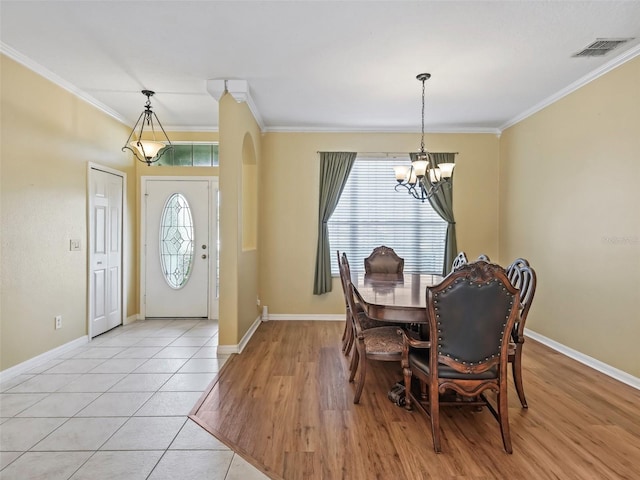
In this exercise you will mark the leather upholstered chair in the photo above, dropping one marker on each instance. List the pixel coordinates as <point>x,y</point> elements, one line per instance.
<point>383,260</point>
<point>470,317</point>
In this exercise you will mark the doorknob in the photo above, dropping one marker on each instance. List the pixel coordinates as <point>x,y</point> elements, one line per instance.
<point>204,256</point>
<point>204,247</point>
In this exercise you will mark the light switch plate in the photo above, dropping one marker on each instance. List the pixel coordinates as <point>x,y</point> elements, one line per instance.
<point>74,245</point>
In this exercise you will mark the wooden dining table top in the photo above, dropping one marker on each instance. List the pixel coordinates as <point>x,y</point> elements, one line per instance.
<point>394,297</point>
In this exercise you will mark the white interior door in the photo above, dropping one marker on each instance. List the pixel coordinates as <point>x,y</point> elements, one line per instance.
<point>105,247</point>
<point>178,247</point>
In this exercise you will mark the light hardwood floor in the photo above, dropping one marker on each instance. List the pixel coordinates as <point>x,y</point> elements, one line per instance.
<point>285,404</point>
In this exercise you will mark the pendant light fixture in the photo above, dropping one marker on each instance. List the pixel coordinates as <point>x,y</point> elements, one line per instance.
<point>423,178</point>
<point>147,151</point>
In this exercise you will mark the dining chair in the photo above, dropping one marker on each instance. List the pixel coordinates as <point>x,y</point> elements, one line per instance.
<point>383,260</point>
<point>524,278</point>
<point>371,342</point>
<point>460,260</point>
<point>347,334</point>
<point>511,269</point>
<point>470,317</point>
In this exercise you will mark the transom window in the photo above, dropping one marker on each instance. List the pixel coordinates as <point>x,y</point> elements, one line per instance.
<point>371,213</point>
<point>191,155</point>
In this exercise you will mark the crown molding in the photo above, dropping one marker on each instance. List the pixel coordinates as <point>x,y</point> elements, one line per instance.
<point>239,90</point>
<point>581,82</point>
<point>291,129</point>
<point>195,129</point>
<point>52,77</point>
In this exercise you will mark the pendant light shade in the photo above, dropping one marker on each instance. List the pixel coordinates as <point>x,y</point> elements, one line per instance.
<point>147,151</point>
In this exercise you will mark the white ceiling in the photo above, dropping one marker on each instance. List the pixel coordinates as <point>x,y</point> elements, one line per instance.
<point>321,65</point>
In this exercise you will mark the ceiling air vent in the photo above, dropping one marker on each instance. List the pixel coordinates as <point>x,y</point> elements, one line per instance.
<point>601,47</point>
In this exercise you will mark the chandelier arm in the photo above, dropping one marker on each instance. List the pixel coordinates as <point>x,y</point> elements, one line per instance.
<point>161,128</point>
<point>133,130</point>
<point>411,190</point>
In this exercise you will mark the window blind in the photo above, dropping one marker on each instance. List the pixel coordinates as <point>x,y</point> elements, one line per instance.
<point>371,213</point>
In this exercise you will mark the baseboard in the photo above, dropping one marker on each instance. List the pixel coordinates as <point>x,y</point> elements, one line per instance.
<point>602,367</point>
<point>318,316</point>
<point>229,349</point>
<point>131,318</point>
<point>42,358</point>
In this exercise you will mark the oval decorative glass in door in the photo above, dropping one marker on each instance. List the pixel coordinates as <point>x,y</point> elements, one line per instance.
<point>176,241</point>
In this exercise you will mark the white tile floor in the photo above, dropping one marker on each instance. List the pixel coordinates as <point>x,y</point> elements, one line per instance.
<point>117,409</point>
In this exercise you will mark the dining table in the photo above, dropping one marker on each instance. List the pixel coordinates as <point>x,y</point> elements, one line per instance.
<point>392,297</point>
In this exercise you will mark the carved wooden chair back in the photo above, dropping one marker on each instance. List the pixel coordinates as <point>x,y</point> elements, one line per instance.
<point>347,334</point>
<point>523,277</point>
<point>460,260</point>
<point>512,269</point>
<point>383,260</point>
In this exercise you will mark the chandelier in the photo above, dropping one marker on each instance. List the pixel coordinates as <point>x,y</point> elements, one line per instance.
<point>148,151</point>
<point>423,178</point>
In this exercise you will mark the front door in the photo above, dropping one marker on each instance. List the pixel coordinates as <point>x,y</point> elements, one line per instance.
<point>177,246</point>
<point>105,248</point>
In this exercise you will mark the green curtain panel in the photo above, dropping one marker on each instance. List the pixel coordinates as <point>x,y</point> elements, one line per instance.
<point>334,172</point>
<point>442,203</point>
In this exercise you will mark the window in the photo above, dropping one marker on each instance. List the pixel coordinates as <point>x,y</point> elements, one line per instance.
<point>191,155</point>
<point>371,213</point>
<point>176,241</point>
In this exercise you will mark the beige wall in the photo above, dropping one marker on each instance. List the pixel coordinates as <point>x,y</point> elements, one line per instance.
<point>569,199</point>
<point>240,145</point>
<point>559,188</point>
<point>289,206</point>
<point>48,138</point>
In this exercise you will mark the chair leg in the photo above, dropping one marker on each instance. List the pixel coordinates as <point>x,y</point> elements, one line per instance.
<point>347,335</point>
<point>360,384</point>
<point>350,337</point>
<point>424,395</point>
<point>406,371</point>
<point>503,414</point>
<point>516,367</point>
<point>344,332</point>
<point>355,359</point>
<point>434,413</point>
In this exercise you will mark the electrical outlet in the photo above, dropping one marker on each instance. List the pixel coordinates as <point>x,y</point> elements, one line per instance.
<point>258,301</point>
<point>58,321</point>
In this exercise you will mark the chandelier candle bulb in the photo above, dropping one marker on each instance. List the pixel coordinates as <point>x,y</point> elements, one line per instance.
<point>446,169</point>
<point>420,167</point>
<point>401,173</point>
